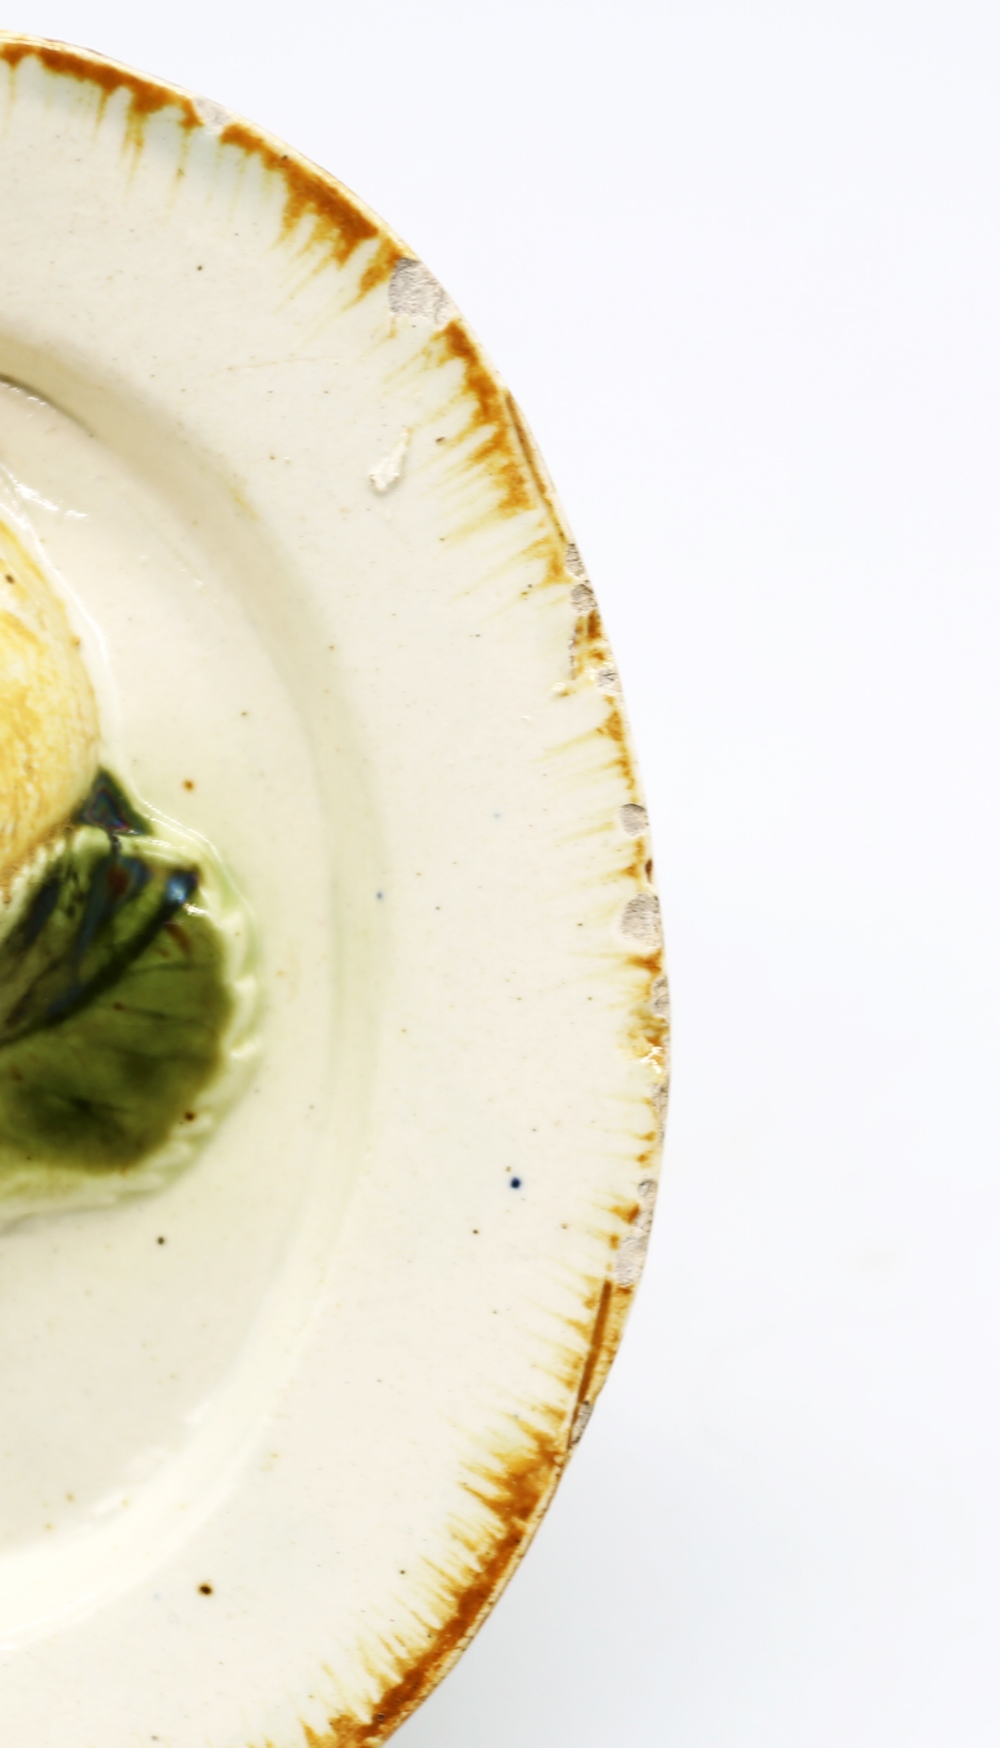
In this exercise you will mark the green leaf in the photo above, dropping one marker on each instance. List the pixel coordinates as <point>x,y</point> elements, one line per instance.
<point>114,997</point>
<point>105,1087</point>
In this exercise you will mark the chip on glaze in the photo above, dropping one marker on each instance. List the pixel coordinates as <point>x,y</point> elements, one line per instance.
<point>48,713</point>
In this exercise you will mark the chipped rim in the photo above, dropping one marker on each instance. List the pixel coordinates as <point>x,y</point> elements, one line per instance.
<point>519,1497</point>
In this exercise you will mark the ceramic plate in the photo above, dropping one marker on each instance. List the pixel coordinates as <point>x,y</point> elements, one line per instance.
<point>281,1414</point>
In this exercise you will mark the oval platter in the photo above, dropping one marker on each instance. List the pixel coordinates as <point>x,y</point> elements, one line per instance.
<point>277,1429</point>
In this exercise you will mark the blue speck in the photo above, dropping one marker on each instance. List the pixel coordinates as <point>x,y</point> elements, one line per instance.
<point>515,1183</point>
<point>380,895</point>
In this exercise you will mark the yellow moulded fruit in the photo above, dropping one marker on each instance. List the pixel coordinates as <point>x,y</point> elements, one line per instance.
<point>49,734</point>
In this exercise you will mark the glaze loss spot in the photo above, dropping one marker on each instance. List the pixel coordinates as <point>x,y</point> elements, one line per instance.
<point>633,819</point>
<point>414,292</point>
<point>640,922</point>
<point>574,563</point>
<point>659,999</point>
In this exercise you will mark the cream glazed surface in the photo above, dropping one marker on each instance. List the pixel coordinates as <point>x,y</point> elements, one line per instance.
<point>278,1431</point>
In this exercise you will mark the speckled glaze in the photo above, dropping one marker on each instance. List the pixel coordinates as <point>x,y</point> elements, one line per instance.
<point>278,1436</point>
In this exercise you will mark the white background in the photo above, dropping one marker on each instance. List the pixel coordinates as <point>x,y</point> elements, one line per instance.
<point>741,265</point>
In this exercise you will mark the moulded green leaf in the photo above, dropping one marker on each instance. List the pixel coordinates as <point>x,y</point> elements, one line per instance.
<point>104,1087</point>
<point>114,997</point>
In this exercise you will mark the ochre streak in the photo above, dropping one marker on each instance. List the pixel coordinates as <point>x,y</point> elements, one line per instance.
<point>515,1487</point>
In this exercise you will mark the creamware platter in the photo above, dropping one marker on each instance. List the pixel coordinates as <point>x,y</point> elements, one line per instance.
<point>309,720</point>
